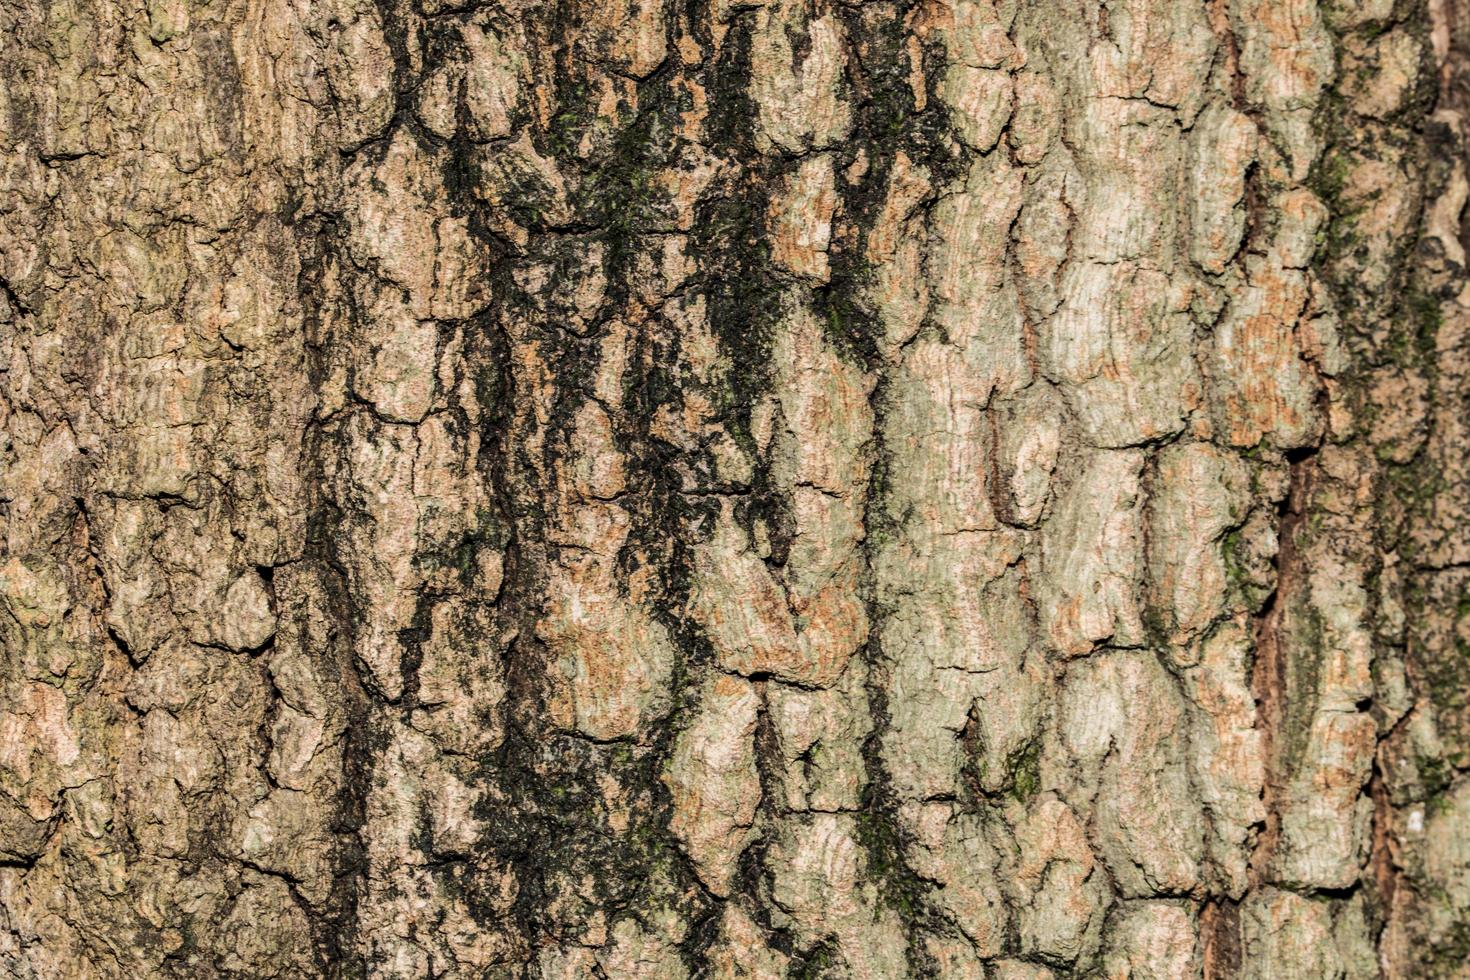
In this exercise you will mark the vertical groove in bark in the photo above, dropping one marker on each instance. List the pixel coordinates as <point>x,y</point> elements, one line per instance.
<point>1268,683</point>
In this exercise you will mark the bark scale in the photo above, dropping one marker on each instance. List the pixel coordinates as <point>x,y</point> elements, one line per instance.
<point>783,488</point>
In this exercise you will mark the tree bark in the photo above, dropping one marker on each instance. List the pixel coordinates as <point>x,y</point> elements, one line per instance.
<point>734,488</point>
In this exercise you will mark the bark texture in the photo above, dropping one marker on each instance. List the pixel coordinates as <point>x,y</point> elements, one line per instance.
<point>734,488</point>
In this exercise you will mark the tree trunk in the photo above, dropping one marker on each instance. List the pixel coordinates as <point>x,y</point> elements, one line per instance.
<point>734,488</point>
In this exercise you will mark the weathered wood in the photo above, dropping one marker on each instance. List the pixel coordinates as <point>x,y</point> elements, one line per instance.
<point>736,488</point>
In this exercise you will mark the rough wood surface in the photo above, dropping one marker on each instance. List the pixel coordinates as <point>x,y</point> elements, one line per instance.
<point>734,488</point>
